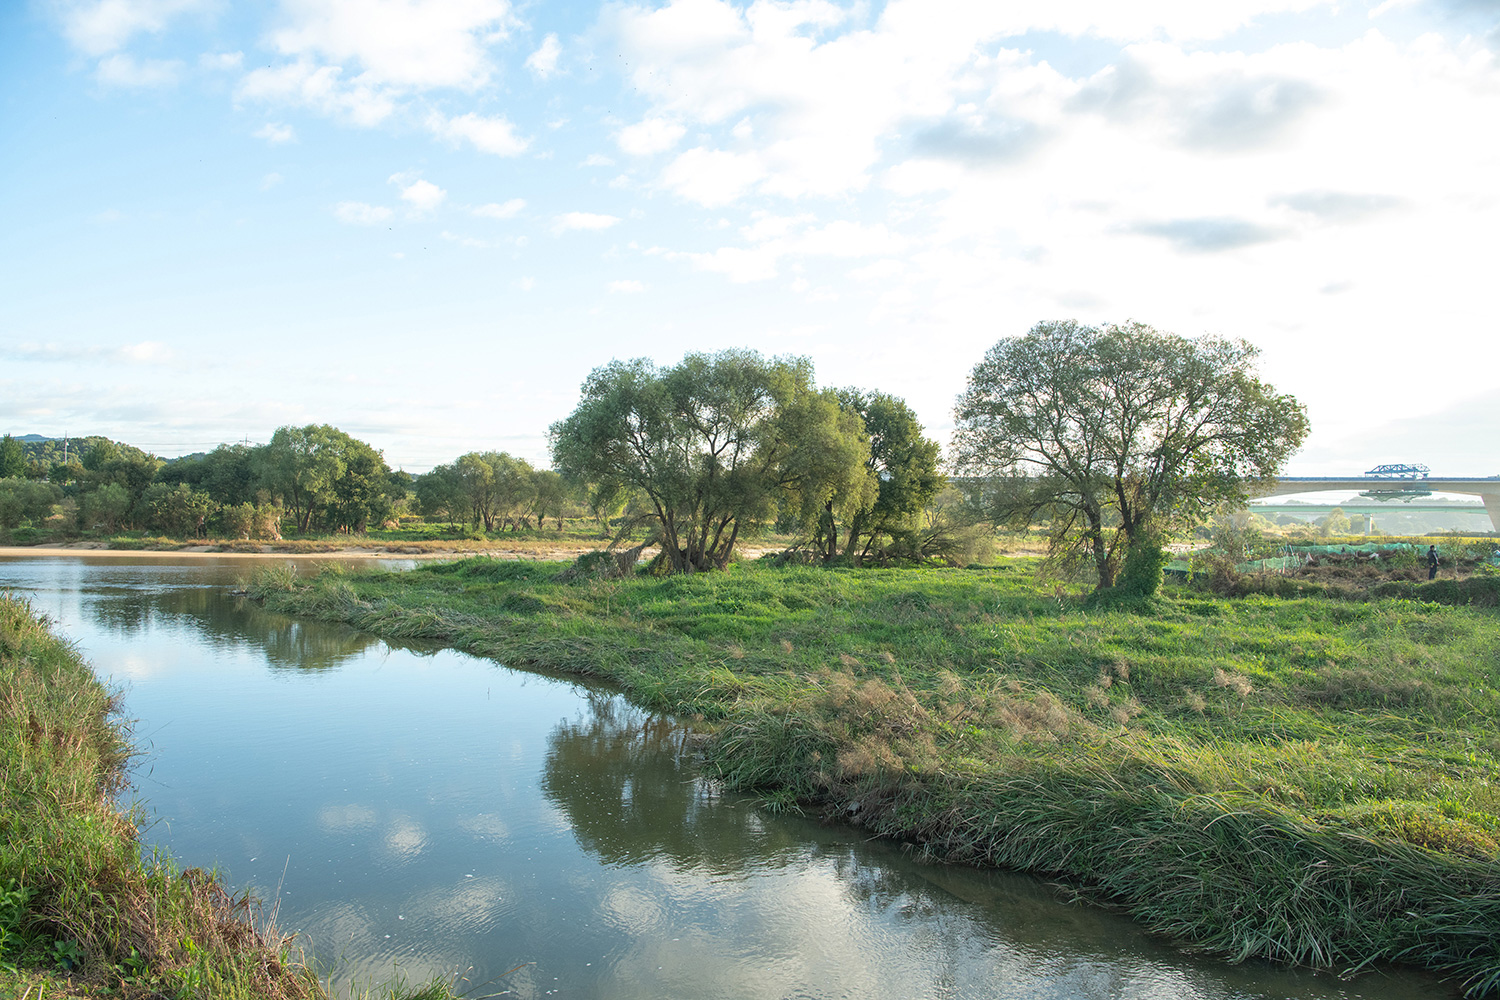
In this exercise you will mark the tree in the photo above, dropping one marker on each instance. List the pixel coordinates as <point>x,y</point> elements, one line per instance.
<point>180,510</point>
<point>440,494</point>
<point>325,478</point>
<point>300,465</point>
<point>826,470</point>
<point>26,500</point>
<point>12,458</point>
<point>1119,433</point>
<point>550,495</point>
<point>700,443</point>
<point>904,463</point>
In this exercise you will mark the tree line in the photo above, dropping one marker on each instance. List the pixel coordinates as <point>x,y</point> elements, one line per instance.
<point>1111,437</point>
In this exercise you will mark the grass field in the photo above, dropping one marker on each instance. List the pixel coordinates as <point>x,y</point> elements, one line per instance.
<point>1308,779</point>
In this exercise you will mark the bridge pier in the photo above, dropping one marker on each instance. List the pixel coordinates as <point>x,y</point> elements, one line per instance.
<point>1492,507</point>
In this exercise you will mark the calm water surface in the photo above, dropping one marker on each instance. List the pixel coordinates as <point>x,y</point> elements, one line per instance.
<point>415,808</point>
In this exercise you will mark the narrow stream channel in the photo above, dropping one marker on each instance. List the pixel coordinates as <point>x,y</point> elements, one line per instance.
<point>417,809</point>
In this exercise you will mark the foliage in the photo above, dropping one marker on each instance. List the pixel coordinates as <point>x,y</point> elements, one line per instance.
<point>1119,432</point>
<point>12,458</point>
<point>26,500</point>
<point>709,446</point>
<point>905,466</point>
<point>181,510</point>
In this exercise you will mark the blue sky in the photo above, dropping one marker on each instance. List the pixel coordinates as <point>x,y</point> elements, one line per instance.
<point>425,221</point>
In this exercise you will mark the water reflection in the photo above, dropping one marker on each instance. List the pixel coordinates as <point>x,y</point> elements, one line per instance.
<point>417,808</point>
<point>620,775</point>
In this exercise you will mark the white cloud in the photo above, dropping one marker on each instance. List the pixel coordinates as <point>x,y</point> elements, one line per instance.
<point>423,196</point>
<point>543,62</point>
<point>713,177</point>
<point>488,135</point>
<point>270,180</point>
<point>570,221</point>
<point>146,352</point>
<point>500,210</point>
<point>408,44</point>
<point>123,70</point>
<point>626,287</point>
<point>100,26</point>
<point>275,132</point>
<point>597,160</point>
<point>654,135</point>
<point>321,88</point>
<point>221,62</point>
<point>360,214</point>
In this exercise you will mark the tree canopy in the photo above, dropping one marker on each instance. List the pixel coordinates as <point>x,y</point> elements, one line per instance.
<point>1118,433</point>
<point>712,446</point>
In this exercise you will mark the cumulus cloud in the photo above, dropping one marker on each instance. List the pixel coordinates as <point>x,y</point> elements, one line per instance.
<point>500,210</point>
<point>221,62</point>
<point>321,88</point>
<point>713,177</point>
<point>275,132</point>
<point>1210,101</point>
<point>1206,235</point>
<point>413,44</point>
<point>488,135</point>
<point>423,196</point>
<point>654,135</point>
<point>772,238</point>
<point>100,26</point>
<point>123,70</point>
<point>981,143</point>
<point>543,62</point>
<point>572,221</point>
<point>1339,206</point>
<point>359,213</point>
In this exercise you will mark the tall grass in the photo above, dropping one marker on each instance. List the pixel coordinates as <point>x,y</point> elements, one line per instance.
<point>82,911</point>
<point>1311,780</point>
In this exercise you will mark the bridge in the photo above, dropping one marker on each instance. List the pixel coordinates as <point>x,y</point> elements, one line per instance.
<point>1486,488</point>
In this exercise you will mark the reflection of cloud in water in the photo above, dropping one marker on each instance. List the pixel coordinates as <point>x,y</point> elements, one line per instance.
<point>825,922</point>
<point>405,838</point>
<point>485,826</point>
<point>350,818</point>
<point>133,667</point>
<point>474,906</point>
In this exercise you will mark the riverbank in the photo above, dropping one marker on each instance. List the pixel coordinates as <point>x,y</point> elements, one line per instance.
<point>1311,780</point>
<point>82,913</point>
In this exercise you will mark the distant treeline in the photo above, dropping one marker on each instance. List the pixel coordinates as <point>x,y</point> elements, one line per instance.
<point>312,479</point>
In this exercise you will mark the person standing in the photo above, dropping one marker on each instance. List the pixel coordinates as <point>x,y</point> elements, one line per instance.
<point>1432,562</point>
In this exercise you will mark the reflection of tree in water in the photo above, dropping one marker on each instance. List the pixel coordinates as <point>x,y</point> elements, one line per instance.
<point>622,777</point>
<point>231,623</point>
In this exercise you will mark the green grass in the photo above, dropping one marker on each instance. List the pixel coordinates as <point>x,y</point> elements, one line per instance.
<point>82,912</point>
<point>1313,780</point>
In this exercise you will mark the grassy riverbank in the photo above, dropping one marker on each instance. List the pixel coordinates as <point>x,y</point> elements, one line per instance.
<point>1312,780</point>
<point>82,913</point>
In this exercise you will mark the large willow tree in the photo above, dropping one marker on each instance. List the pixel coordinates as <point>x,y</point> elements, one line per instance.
<point>713,446</point>
<point>1119,433</point>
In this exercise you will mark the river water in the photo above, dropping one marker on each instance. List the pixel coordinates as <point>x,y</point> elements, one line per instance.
<point>412,809</point>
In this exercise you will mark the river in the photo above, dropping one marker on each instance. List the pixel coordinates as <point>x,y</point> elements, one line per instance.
<point>408,808</point>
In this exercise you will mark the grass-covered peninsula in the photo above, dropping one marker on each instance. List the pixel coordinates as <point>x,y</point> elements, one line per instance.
<point>83,913</point>
<point>1310,779</point>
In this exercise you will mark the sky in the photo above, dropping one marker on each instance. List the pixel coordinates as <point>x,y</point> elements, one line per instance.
<point>426,221</point>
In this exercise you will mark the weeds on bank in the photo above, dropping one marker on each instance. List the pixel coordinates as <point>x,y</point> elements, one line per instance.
<point>82,912</point>
<point>1308,779</point>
